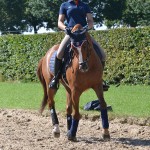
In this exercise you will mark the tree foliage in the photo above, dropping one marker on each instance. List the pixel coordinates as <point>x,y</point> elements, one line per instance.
<point>42,13</point>
<point>131,13</point>
<point>54,6</point>
<point>97,7</point>
<point>21,15</point>
<point>11,15</point>
<point>137,13</point>
<point>35,13</point>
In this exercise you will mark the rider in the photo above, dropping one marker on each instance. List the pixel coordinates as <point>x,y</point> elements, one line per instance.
<point>74,12</point>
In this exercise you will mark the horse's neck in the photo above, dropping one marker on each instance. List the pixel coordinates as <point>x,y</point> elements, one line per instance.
<point>94,56</point>
<point>88,37</point>
<point>94,61</point>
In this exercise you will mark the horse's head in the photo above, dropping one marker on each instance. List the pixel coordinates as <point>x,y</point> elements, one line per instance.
<point>80,47</point>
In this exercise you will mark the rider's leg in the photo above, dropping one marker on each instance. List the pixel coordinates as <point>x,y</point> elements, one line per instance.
<point>103,59</point>
<point>103,55</point>
<point>58,62</point>
<point>54,82</point>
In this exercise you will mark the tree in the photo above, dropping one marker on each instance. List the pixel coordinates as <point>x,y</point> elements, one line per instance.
<point>52,18</point>
<point>97,7</point>
<point>108,12</point>
<point>39,12</point>
<point>137,13</point>
<point>34,14</point>
<point>112,12</point>
<point>11,16</point>
<point>21,15</point>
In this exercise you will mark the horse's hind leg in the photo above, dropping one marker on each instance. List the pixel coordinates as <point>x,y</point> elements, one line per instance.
<point>51,104</point>
<point>104,115</point>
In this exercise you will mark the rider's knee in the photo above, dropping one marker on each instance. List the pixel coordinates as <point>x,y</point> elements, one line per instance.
<point>103,54</point>
<point>59,55</point>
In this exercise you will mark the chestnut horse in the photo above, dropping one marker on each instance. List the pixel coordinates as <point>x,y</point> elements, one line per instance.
<point>84,72</point>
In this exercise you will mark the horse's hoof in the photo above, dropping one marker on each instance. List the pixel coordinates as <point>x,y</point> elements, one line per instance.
<point>56,134</point>
<point>71,138</point>
<point>56,131</point>
<point>106,137</point>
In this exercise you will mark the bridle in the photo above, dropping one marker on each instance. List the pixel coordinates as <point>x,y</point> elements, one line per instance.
<point>83,64</point>
<point>78,38</point>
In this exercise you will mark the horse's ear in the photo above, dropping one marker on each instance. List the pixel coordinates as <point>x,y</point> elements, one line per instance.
<point>76,27</point>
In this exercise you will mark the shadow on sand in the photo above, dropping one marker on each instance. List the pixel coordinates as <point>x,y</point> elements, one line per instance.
<point>127,141</point>
<point>135,142</point>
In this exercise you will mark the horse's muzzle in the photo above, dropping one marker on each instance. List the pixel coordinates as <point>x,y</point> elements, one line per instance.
<point>83,67</point>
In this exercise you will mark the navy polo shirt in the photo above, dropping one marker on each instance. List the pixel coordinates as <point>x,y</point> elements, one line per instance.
<point>75,14</point>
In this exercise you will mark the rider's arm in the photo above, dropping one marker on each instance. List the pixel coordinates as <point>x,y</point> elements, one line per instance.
<point>89,20</point>
<point>61,20</point>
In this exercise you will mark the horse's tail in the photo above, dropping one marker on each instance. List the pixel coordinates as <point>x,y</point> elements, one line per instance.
<point>42,80</point>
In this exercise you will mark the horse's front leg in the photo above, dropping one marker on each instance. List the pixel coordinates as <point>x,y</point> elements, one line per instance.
<point>51,104</point>
<point>69,110</point>
<point>104,114</point>
<point>75,95</point>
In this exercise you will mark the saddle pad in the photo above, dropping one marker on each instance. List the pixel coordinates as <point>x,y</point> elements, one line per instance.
<point>52,61</point>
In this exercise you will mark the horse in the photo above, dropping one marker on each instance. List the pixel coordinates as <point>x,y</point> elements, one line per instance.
<point>84,71</point>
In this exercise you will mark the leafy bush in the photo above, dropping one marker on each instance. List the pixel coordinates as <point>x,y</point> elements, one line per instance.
<point>128,54</point>
<point>20,55</point>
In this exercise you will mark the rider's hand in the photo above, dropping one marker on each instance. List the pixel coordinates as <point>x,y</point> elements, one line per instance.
<point>68,30</point>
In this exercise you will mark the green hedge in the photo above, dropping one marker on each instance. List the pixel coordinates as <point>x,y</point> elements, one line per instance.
<point>128,54</point>
<point>20,54</point>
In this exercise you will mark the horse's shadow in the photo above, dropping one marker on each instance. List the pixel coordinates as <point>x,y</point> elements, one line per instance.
<point>127,141</point>
<point>90,140</point>
<point>134,142</point>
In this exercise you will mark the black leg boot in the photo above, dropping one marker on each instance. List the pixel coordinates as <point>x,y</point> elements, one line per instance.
<point>57,72</point>
<point>105,85</point>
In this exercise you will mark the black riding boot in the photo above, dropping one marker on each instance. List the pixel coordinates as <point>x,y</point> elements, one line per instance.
<point>105,85</point>
<point>57,72</point>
